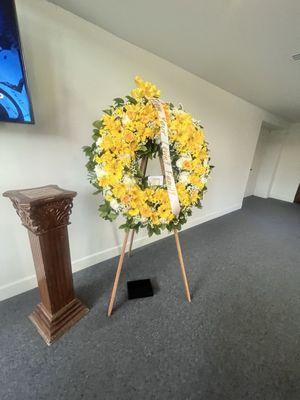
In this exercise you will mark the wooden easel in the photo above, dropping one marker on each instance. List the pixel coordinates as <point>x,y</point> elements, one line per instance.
<point>143,167</point>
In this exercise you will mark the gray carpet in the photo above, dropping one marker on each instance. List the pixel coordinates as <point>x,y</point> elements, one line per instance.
<point>237,340</point>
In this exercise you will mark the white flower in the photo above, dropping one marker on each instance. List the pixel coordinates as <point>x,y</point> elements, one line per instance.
<point>151,124</point>
<point>184,177</point>
<point>115,205</point>
<point>125,119</point>
<point>100,171</point>
<point>124,156</point>
<point>182,159</point>
<point>99,142</point>
<point>107,192</point>
<point>179,163</point>
<point>128,180</point>
<point>203,179</point>
<point>140,219</point>
<point>143,220</point>
<point>177,111</point>
<point>158,139</point>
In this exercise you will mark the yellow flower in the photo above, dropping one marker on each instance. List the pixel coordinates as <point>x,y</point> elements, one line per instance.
<point>133,212</point>
<point>194,196</point>
<point>128,136</point>
<point>187,164</point>
<point>144,89</point>
<point>155,219</point>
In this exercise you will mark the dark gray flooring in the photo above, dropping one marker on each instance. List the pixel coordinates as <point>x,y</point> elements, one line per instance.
<point>237,340</point>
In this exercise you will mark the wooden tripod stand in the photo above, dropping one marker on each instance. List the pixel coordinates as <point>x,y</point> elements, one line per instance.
<point>143,167</point>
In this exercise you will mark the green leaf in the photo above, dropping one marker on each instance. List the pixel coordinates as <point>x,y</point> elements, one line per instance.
<point>119,101</point>
<point>108,111</point>
<point>170,227</point>
<point>87,150</point>
<point>125,227</point>
<point>104,210</point>
<point>90,165</point>
<point>112,216</point>
<point>150,230</point>
<point>156,230</point>
<point>131,100</point>
<point>98,124</point>
<point>95,136</point>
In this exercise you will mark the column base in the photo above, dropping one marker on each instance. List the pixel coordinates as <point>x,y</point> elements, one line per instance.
<point>51,327</point>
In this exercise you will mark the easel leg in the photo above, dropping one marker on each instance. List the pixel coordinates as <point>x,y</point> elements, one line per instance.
<point>130,243</point>
<point>184,278</point>
<point>119,268</point>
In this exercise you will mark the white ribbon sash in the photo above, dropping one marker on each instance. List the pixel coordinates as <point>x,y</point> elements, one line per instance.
<point>165,146</point>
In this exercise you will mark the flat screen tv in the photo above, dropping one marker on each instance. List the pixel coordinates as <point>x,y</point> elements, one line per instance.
<point>15,103</point>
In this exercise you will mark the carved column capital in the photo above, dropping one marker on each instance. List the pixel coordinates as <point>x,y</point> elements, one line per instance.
<point>44,217</point>
<point>42,209</point>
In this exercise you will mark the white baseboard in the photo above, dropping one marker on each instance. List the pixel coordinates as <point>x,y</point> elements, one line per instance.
<point>30,282</point>
<point>17,287</point>
<point>282,198</point>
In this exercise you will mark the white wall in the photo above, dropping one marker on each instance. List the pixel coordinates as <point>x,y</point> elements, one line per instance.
<point>276,164</point>
<point>75,69</point>
<point>270,146</point>
<point>257,159</point>
<point>287,176</point>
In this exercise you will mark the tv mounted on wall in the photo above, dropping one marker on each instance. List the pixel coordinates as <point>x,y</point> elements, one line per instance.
<point>15,103</point>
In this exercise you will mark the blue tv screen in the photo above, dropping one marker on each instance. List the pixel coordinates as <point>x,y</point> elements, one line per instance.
<point>15,103</point>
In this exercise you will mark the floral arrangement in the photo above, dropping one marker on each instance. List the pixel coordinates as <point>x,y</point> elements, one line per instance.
<point>127,132</point>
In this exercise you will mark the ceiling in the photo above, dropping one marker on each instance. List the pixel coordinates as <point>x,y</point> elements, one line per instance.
<point>242,46</point>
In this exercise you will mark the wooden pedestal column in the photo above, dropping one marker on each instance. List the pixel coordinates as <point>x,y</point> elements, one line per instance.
<point>45,212</point>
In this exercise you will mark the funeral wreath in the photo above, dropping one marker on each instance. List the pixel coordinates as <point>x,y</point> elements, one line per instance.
<point>130,131</point>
